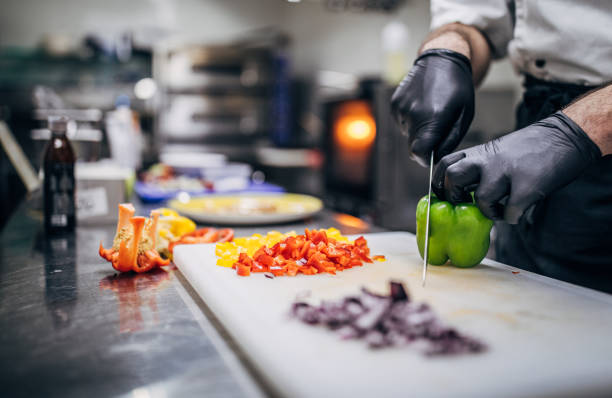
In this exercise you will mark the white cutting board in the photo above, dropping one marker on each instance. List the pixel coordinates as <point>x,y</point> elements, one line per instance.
<point>545,337</point>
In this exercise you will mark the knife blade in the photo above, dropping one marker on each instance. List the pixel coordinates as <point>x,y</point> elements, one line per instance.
<point>426,252</point>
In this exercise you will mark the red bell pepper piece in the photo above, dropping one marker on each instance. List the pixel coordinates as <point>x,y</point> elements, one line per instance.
<point>204,235</point>
<point>243,270</point>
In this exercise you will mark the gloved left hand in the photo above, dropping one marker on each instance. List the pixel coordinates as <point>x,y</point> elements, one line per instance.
<point>512,173</point>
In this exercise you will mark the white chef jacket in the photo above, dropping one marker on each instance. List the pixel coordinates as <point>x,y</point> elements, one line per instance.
<point>554,40</point>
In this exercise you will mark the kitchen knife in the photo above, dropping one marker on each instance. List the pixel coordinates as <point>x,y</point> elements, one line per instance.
<point>425,256</point>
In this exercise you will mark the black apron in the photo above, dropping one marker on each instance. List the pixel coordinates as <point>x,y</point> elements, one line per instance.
<point>569,236</point>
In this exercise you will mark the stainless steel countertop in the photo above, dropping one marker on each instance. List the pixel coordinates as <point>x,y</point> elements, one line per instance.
<point>70,325</point>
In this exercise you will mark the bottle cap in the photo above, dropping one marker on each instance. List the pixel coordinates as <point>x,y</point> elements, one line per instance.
<point>122,100</point>
<point>58,123</point>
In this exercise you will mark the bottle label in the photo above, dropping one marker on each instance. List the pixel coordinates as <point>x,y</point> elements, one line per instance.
<point>59,194</point>
<point>59,220</point>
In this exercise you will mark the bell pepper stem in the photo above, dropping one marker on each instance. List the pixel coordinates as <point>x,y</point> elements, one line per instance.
<point>126,212</point>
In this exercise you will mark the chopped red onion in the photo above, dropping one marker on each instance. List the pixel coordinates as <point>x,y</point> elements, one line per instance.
<point>385,321</point>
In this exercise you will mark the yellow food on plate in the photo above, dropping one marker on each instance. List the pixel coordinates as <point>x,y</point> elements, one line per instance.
<point>171,226</point>
<point>228,252</point>
<point>253,209</point>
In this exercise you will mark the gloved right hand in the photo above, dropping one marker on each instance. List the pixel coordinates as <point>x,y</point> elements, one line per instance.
<point>434,104</point>
<point>511,174</point>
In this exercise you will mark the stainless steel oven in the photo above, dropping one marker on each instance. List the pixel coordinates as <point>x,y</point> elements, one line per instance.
<point>214,98</point>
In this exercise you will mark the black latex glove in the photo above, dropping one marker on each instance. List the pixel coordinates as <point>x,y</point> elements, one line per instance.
<point>434,104</point>
<point>512,173</point>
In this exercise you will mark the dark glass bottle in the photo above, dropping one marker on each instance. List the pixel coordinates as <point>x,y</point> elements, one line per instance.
<point>59,183</point>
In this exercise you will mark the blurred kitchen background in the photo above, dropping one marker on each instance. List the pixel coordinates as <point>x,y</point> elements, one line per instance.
<point>204,96</point>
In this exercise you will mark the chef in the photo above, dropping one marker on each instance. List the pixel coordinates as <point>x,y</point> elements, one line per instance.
<point>548,184</point>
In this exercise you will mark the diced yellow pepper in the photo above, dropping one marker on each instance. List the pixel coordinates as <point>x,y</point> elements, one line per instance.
<point>171,226</point>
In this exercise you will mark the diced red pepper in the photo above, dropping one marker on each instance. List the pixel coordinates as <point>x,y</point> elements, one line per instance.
<point>264,259</point>
<point>243,270</point>
<point>304,250</point>
<point>309,254</point>
<point>245,259</point>
<point>361,242</point>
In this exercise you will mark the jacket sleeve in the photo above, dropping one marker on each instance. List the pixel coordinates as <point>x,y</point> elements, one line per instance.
<point>493,18</point>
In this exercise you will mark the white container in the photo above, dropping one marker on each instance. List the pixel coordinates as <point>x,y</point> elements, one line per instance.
<point>192,163</point>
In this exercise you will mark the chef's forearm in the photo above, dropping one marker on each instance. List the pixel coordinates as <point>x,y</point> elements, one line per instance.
<point>593,113</point>
<point>465,40</point>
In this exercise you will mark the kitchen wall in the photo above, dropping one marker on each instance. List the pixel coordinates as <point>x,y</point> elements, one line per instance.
<point>351,42</point>
<point>347,42</point>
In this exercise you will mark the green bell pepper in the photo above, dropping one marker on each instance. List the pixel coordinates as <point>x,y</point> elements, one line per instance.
<point>457,232</point>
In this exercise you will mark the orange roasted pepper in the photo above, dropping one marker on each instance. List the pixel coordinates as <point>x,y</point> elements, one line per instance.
<point>134,244</point>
